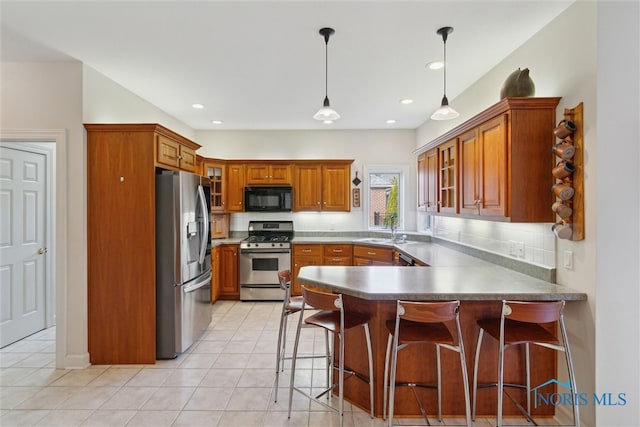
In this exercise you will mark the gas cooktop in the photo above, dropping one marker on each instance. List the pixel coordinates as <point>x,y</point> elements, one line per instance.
<point>268,234</point>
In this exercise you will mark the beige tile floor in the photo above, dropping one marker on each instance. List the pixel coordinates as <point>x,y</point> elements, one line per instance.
<point>225,379</point>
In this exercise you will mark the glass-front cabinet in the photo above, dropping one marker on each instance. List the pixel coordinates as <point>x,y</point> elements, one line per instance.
<point>448,176</point>
<point>216,173</point>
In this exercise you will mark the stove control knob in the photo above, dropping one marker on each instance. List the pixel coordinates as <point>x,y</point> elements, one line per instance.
<point>273,244</point>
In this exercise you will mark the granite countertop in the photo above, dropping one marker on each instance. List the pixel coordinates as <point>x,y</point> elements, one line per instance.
<point>439,282</point>
<point>452,274</point>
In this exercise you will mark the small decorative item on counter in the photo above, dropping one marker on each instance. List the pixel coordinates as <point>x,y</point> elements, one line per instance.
<point>562,230</point>
<point>564,129</point>
<point>518,84</point>
<point>562,210</point>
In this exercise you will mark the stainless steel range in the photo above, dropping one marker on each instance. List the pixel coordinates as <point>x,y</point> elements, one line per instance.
<point>266,251</point>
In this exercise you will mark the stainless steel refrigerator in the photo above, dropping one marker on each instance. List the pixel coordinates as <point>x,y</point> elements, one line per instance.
<point>183,261</point>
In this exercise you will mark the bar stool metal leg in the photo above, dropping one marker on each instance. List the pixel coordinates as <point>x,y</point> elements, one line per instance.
<point>331,317</point>
<point>522,323</point>
<point>433,316</point>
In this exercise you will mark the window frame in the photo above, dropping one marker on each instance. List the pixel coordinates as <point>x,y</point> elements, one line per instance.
<point>403,174</point>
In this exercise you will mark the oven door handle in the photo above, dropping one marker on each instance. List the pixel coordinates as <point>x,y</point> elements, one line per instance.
<point>261,286</point>
<point>264,251</point>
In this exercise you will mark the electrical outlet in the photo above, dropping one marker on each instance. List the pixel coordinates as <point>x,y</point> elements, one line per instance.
<point>568,260</point>
<point>520,249</point>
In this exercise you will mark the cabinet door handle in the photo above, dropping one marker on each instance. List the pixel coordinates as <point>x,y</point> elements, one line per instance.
<point>339,251</point>
<point>306,250</point>
<point>371,253</point>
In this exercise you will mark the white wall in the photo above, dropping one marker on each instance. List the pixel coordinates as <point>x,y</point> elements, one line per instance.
<point>105,101</point>
<point>562,62</point>
<point>63,96</point>
<point>37,96</point>
<point>575,55</point>
<point>368,148</point>
<point>618,211</point>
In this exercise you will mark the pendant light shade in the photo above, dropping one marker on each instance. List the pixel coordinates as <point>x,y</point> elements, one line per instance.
<point>445,112</point>
<point>326,113</point>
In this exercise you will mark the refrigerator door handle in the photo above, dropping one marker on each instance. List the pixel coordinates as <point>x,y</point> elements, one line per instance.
<point>199,284</point>
<point>205,213</point>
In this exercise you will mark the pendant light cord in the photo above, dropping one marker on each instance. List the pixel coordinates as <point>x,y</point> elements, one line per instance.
<point>444,42</point>
<point>326,66</point>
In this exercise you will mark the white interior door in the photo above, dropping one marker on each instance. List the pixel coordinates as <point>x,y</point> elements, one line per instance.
<point>23,187</point>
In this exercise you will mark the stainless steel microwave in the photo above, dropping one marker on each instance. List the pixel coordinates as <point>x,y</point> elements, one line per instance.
<point>268,199</point>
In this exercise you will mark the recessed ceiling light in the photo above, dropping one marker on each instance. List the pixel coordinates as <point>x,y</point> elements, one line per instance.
<point>327,122</point>
<point>216,122</point>
<point>435,65</point>
<point>198,106</point>
<point>391,121</point>
<point>406,101</point>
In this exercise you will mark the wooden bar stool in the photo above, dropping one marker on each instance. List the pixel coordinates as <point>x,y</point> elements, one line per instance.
<point>521,323</point>
<point>417,323</point>
<point>290,305</point>
<point>333,318</point>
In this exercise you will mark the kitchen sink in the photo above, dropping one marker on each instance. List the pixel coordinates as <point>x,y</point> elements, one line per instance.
<point>380,240</point>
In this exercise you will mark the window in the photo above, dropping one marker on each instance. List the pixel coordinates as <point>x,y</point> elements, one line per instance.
<point>385,199</point>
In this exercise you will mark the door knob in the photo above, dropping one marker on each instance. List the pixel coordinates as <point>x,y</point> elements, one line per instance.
<point>42,251</point>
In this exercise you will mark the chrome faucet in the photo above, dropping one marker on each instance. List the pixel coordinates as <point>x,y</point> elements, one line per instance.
<point>394,225</point>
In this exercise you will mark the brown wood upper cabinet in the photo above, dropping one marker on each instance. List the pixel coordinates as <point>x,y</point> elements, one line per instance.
<point>216,172</point>
<point>268,173</point>
<point>502,160</point>
<point>428,181</point>
<point>235,187</point>
<point>172,153</point>
<point>322,186</point>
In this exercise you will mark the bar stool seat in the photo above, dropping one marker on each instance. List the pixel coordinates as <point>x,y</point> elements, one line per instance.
<point>332,317</point>
<point>331,321</point>
<point>418,323</point>
<point>520,323</point>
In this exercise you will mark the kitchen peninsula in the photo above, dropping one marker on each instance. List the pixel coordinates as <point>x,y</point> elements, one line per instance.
<point>480,286</point>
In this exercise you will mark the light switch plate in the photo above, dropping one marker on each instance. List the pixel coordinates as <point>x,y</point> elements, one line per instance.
<point>568,260</point>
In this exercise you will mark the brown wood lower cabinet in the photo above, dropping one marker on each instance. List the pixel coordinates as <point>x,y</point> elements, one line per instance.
<point>302,255</point>
<point>338,255</point>
<point>372,255</point>
<point>228,282</point>
<point>335,254</point>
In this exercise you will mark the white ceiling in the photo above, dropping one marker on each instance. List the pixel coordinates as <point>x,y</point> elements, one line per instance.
<point>261,64</point>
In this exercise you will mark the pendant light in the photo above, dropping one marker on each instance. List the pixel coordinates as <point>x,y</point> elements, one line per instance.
<point>445,112</point>
<point>326,113</point>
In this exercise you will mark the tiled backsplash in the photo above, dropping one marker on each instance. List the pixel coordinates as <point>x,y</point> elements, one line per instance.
<point>531,243</point>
